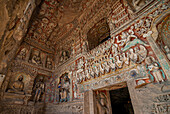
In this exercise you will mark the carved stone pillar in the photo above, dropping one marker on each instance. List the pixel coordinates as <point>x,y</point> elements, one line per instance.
<point>89,102</point>
<point>133,96</point>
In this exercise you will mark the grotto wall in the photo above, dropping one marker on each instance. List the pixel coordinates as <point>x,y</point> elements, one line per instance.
<point>55,57</point>
<point>132,55</point>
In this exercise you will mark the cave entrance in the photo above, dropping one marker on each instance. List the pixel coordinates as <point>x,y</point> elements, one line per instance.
<point>120,101</point>
<point>113,99</point>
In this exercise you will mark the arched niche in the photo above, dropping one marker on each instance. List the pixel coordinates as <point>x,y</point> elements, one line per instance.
<point>99,33</point>
<point>161,33</point>
<point>164,62</point>
<point>163,39</point>
<point>38,90</point>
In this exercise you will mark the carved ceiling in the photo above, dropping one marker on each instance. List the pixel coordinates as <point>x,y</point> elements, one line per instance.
<point>54,19</point>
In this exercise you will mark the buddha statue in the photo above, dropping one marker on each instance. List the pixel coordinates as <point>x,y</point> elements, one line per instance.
<point>22,54</point>
<point>49,63</point>
<point>39,89</point>
<point>17,86</point>
<point>36,59</point>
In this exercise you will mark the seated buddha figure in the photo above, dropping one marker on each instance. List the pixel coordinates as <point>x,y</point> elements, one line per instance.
<point>17,86</point>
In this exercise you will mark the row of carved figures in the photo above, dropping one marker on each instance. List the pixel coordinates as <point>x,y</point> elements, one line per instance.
<point>110,63</point>
<point>35,58</point>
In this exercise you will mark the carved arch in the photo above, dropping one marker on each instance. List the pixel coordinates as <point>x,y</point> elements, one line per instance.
<point>157,21</point>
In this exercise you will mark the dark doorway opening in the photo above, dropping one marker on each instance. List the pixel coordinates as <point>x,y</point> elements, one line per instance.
<point>120,101</point>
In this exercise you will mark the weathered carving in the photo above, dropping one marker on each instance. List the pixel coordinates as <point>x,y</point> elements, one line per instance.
<point>102,103</point>
<point>2,77</point>
<point>49,63</point>
<point>36,59</point>
<point>38,89</point>
<point>154,70</point>
<point>64,56</point>
<point>64,88</point>
<point>22,53</point>
<point>138,3</point>
<point>17,86</point>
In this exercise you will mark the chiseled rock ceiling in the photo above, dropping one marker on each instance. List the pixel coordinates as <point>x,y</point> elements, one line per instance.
<point>54,18</point>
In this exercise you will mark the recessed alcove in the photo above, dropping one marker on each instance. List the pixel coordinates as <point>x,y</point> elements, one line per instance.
<point>98,34</point>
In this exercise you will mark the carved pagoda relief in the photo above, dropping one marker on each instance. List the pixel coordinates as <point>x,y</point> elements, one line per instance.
<point>16,29</point>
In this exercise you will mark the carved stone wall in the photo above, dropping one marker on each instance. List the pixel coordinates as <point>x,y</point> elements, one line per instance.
<point>69,108</point>
<point>54,46</point>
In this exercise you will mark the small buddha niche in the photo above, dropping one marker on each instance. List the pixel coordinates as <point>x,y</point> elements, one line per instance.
<point>64,56</point>
<point>17,86</point>
<point>35,57</point>
<point>22,53</point>
<point>98,34</point>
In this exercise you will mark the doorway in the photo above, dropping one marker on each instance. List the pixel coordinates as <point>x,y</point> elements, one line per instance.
<point>120,101</point>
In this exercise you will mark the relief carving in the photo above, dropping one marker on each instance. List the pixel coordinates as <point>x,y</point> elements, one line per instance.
<point>17,86</point>
<point>64,88</point>
<point>22,53</point>
<point>38,89</point>
<point>36,59</point>
<point>154,70</point>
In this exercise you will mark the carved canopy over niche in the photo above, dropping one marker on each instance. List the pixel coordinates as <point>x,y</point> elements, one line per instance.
<point>98,33</point>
